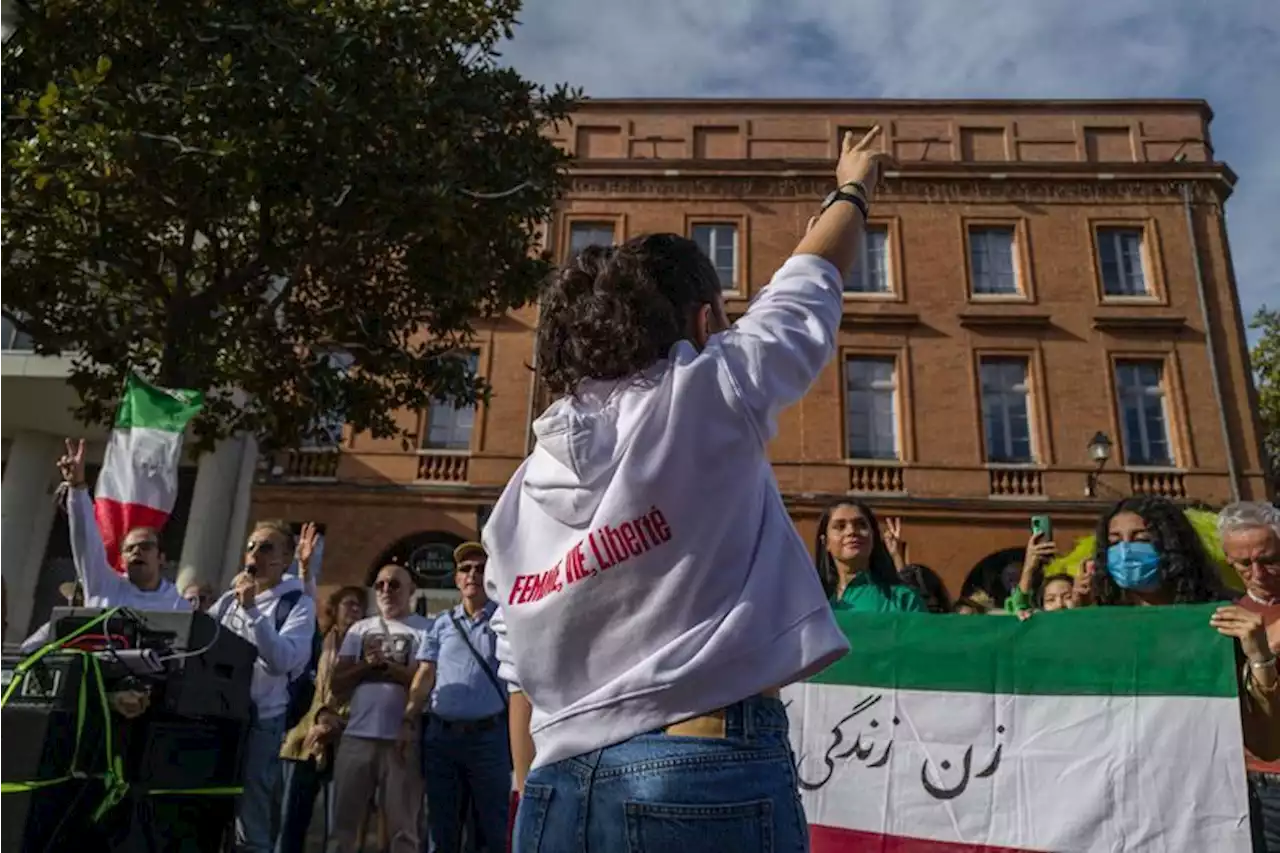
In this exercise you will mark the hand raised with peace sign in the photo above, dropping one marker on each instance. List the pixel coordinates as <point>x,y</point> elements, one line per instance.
<point>860,162</point>
<point>71,465</point>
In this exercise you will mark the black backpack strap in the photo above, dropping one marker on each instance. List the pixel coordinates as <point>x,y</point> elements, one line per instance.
<point>285,606</point>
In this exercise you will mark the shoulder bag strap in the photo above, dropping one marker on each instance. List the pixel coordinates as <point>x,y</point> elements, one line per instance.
<point>484,664</point>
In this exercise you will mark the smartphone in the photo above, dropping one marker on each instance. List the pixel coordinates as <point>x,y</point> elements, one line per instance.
<point>1042,527</point>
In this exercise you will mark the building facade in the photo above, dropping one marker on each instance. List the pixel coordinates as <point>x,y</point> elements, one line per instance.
<point>1034,274</point>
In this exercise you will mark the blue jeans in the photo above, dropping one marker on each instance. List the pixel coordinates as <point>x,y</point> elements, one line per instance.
<point>457,762</point>
<point>1264,808</point>
<point>302,783</point>
<point>261,775</point>
<point>657,793</point>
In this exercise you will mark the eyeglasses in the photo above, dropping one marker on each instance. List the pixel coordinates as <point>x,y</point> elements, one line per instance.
<point>387,585</point>
<point>265,547</point>
<point>468,568</point>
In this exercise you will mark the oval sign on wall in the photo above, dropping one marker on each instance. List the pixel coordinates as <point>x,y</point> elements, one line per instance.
<point>432,564</point>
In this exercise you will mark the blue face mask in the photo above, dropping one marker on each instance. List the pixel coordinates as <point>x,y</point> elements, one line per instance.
<point>1134,565</point>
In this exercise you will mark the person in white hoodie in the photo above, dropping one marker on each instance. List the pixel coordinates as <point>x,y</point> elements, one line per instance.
<point>276,615</point>
<point>653,592</point>
<point>143,587</point>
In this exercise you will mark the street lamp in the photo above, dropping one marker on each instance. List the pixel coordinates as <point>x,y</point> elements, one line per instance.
<point>1099,452</point>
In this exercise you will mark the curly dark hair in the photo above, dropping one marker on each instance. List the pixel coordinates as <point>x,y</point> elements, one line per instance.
<point>611,312</point>
<point>925,581</point>
<point>1185,568</point>
<point>880,568</point>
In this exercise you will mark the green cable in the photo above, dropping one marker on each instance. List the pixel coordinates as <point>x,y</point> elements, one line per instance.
<point>113,777</point>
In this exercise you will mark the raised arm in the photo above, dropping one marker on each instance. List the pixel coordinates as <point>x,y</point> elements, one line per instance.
<point>88,552</point>
<point>776,350</point>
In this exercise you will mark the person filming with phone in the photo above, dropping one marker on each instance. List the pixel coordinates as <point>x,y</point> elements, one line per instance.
<point>1033,592</point>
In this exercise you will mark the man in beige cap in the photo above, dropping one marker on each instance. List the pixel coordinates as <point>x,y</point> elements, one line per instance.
<point>464,730</point>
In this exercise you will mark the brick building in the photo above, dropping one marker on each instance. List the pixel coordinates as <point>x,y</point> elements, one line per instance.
<point>1035,273</point>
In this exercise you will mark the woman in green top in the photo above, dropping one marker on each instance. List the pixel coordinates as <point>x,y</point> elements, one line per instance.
<point>856,568</point>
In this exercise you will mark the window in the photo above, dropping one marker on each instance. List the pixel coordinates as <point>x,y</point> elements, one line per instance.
<point>871,407</point>
<point>13,339</point>
<point>1120,260</point>
<point>584,234</point>
<point>1006,409</point>
<point>449,426</point>
<point>871,272</point>
<point>327,433</point>
<point>991,260</point>
<point>1143,419</point>
<point>719,242</point>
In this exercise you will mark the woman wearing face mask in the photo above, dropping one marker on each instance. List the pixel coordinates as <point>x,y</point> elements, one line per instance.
<point>856,568</point>
<point>1148,553</point>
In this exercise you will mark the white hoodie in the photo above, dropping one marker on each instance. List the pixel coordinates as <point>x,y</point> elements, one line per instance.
<point>282,654</point>
<point>645,566</point>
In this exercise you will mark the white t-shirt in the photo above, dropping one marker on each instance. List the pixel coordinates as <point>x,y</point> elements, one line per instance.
<point>378,707</point>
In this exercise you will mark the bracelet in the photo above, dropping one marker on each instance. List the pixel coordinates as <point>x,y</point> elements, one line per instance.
<point>1269,663</point>
<point>857,188</point>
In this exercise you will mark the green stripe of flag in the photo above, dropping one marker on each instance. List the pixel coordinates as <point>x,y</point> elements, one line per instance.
<point>1103,651</point>
<point>148,407</point>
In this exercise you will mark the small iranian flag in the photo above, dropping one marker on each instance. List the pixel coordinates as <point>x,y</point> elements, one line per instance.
<point>1103,729</point>
<point>139,480</point>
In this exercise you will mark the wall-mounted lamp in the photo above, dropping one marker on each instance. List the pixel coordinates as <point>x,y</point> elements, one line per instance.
<point>1099,452</point>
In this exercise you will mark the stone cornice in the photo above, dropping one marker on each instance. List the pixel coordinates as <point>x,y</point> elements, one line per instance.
<point>1209,188</point>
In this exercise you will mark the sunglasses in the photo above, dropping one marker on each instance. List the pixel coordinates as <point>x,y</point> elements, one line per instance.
<point>260,546</point>
<point>468,568</point>
<point>387,586</point>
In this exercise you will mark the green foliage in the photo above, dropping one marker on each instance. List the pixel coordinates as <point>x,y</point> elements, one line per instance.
<point>1265,358</point>
<point>219,193</point>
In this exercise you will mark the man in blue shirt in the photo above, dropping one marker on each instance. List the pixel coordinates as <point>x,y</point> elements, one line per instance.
<point>465,747</point>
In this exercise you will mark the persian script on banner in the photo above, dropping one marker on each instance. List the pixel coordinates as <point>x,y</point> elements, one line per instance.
<point>1092,730</point>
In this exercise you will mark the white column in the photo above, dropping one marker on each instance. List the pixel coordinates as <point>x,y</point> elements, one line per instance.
<point>209,521</point>
<point>238,523</point>
<point>26,517</point>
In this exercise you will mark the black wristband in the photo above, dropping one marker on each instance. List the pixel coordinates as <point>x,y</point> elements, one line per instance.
<point>840,195</point>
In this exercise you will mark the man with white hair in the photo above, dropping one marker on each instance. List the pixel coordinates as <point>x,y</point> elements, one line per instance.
<point>1251,539</point>
<point>1250,535</point>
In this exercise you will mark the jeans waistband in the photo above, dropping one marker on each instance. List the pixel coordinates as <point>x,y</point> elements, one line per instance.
<point>1267,779</point>
<point>756,715</point>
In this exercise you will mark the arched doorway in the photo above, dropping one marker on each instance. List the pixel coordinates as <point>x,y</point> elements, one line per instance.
<point>995,574</point>
<point>428,556</point>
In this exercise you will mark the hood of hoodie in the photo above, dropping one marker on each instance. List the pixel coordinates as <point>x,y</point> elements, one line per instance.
<point>580,441</point>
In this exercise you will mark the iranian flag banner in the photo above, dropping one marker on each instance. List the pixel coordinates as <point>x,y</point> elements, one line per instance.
<point>1102,729</point>
<point>138,483</point>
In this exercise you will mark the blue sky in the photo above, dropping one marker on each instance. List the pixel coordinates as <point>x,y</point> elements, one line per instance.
<point>1225,51</point>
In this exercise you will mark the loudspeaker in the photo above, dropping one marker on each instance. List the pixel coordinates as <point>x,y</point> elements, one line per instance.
<point>39,725</point>
<point>165,754</point>
<point>207,668</point>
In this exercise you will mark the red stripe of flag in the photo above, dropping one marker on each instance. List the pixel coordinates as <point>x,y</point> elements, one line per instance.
<point>116,519</point>
<point>831,839</point>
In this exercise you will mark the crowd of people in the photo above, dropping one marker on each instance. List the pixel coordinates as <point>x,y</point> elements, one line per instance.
<point>404,725</point>
<point>620,643</point>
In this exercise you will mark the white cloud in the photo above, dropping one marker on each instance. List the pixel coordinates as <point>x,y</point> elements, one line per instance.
<point>1225,51</point>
